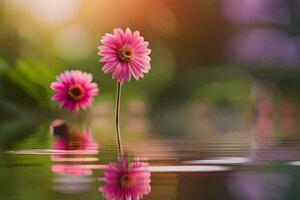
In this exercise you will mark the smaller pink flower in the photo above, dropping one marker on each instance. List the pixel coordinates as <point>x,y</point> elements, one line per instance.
<point>125,54</point>
<point>74,89</point>
<point>126,181</point>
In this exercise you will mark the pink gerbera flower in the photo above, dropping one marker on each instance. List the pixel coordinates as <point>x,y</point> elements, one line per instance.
<point>125,54</point>
<point>74,89</point>
<point>126,181</point>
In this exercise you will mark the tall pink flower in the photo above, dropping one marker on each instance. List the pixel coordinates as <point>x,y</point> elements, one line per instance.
<point>126,181</point>
<point>125,54</point>
<point>74,89</point>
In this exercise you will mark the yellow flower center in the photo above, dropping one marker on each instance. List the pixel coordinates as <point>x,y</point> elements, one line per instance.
<point>126,181</point>
<point>76,92</point>
<point>126,53</point>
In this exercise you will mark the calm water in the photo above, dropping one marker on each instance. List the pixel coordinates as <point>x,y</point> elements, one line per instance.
<point>206,163</point>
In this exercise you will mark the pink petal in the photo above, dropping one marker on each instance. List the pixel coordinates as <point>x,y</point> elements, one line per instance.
<point>108,67</point>
<point>117,70</point>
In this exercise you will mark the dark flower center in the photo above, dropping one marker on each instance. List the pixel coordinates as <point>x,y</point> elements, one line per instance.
<point>76,92</point>
<point>126,53</point>
<point>126,181</point>
<point>77,142</point>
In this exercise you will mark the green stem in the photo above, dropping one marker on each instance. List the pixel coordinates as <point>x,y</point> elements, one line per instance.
<point>118,100</point>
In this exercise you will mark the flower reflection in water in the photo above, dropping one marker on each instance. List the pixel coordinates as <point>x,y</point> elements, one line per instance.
<point>66,140</point>
<point>76,141</point>
<point>72,170</point>
<point>125,180</point>
<point>73,146</point>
